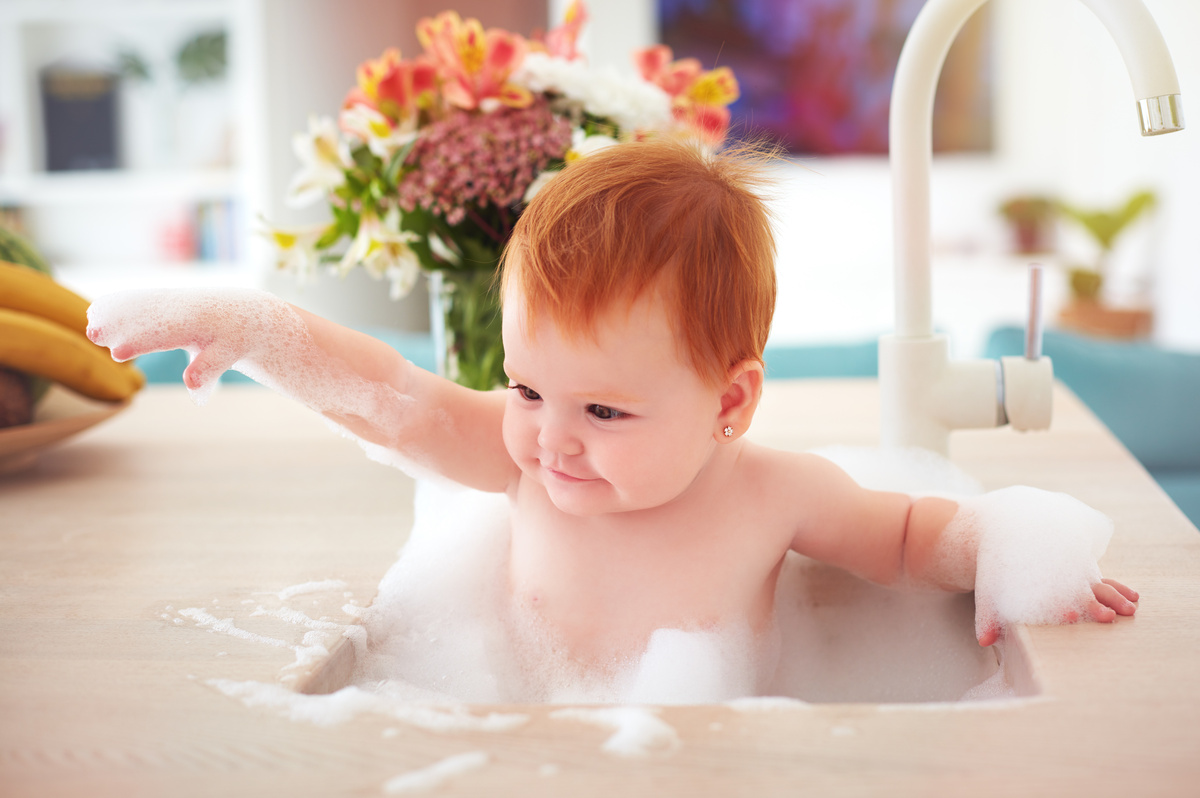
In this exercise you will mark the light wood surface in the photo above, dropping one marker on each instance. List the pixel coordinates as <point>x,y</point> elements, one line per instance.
<point>104,685</point>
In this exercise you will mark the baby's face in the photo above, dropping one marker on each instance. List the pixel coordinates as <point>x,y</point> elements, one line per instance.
<point>609,425</point>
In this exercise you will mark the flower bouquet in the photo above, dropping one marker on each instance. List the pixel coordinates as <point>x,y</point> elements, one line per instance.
<point>432,159</point>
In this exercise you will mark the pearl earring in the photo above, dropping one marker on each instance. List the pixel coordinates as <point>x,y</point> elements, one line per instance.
<point>728,432</point>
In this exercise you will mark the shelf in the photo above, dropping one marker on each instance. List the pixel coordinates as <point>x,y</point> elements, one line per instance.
<point>95,280</point>
<point>73,11</point>
<point>118,185</point>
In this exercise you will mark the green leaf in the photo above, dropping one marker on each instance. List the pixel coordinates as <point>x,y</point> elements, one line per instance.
<point>202,58</point>
<point>1105,226</point>
<point>392,173</point>
<point>478,254</point>
<point>331,235</point>
<point>366,160</point>
<point>347,221</point>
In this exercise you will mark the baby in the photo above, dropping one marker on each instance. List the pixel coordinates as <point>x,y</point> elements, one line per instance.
<point>638,291</point>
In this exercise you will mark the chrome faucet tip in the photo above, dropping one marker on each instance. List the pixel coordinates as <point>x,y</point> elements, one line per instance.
<point>1159,115</point>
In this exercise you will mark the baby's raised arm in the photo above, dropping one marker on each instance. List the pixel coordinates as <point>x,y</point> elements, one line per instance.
<point>1030,555</point>
<point>355,380</point>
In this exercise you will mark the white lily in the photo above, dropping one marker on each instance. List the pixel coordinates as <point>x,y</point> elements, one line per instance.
<point>382,248</point>
<point>376,130</point>
<point>581,147</point>
<point>323,156</point>
<point>539,182</point>
<point>295,249</point>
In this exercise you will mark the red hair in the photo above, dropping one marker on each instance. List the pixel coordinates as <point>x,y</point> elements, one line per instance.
<point>657,213</point>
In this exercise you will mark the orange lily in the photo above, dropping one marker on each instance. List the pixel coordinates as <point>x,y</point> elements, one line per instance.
<point>394,87</point>
<point>474,65</point>
<point>698,98</point>
<point>673,77</point>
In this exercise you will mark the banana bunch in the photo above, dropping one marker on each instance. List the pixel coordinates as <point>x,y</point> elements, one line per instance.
<point>43,332</point>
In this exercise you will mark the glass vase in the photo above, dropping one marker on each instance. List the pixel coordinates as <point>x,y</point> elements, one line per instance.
<point>464,317</point>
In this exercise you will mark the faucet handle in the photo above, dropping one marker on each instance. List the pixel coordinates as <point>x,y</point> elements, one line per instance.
<point>1033,327</point>
<point>1028,381</point>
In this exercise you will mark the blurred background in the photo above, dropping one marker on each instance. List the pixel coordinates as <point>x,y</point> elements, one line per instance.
<point>200,99</point>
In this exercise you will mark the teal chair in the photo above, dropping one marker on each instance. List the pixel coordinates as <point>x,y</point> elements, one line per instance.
<point>1148,396</point>
<point>858,359</point>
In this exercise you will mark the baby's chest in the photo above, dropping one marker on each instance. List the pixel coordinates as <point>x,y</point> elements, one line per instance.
<point>669,569</point>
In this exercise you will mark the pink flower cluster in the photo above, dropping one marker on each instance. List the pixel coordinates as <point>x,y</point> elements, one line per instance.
<point>470,159</point>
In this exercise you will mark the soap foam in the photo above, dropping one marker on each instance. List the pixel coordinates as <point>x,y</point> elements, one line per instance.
<point>350,702</point>
<point>305,588</point>
<point>437,774</point>
<point>443,627</point>
<point>637,731</point>
<point>1037,554</point>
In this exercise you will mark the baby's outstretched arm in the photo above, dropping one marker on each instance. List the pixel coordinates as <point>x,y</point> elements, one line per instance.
<point>358,382</point>
<point>1030,555</point>
<point>1033,556</point>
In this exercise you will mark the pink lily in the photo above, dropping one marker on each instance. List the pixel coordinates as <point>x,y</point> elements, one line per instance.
<point>561,41</point>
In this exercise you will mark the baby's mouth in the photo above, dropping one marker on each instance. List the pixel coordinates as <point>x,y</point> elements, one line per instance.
<point>563,476</point>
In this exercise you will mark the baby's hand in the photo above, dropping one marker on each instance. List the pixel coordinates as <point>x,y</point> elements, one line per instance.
<point>1111,599</point>
<point>218,328</point>
<point>1036,560</point>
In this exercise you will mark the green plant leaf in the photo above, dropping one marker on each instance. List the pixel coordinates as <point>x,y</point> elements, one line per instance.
<point>329,237</point>
<point>1105,226</point>
<point>202,58</point>
<point>392,174</point>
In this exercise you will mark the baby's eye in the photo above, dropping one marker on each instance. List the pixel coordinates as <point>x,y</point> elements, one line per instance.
<point>527,393</point>
<point>605,413</point>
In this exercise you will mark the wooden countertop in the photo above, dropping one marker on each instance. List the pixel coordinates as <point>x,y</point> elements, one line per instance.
<point>105,687</point>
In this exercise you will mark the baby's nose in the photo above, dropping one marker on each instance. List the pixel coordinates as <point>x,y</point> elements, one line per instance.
<point>557,437</point>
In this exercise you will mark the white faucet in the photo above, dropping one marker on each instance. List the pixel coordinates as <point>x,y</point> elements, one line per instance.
<point>925,394</point>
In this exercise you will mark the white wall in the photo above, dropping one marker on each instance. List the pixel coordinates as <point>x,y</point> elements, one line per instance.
<point>1066,124</point>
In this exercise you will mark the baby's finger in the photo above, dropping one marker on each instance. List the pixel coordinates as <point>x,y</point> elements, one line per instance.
<point>1125,591</point>
<point>1110,598</point>
<point>208,366</point>
<point>1101,613</point>
<point>988,635</point>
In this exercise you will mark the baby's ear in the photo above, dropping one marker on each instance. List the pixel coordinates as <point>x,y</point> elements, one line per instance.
<point>740,399</point>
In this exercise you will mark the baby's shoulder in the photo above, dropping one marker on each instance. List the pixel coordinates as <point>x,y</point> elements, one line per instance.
<point>786,470</point>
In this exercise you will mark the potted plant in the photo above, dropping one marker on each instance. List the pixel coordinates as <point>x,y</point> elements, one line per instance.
<point>1087,312</point>
<point>1031,220</point>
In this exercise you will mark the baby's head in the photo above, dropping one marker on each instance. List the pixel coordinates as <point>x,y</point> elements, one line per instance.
<point>657,215</point>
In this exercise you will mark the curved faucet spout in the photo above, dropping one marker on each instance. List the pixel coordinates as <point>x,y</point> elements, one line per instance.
<point>916,381</point>
<point>1151,71</point>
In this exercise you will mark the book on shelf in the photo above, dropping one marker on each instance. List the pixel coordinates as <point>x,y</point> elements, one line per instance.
<point>217,232</point>
<point>79,113</point>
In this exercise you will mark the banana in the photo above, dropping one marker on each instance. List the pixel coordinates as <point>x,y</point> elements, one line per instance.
<point>36,345</point>
<point>24,289</point>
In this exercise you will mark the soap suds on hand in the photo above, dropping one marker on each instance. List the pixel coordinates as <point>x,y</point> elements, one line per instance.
<point>1037,555</point>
